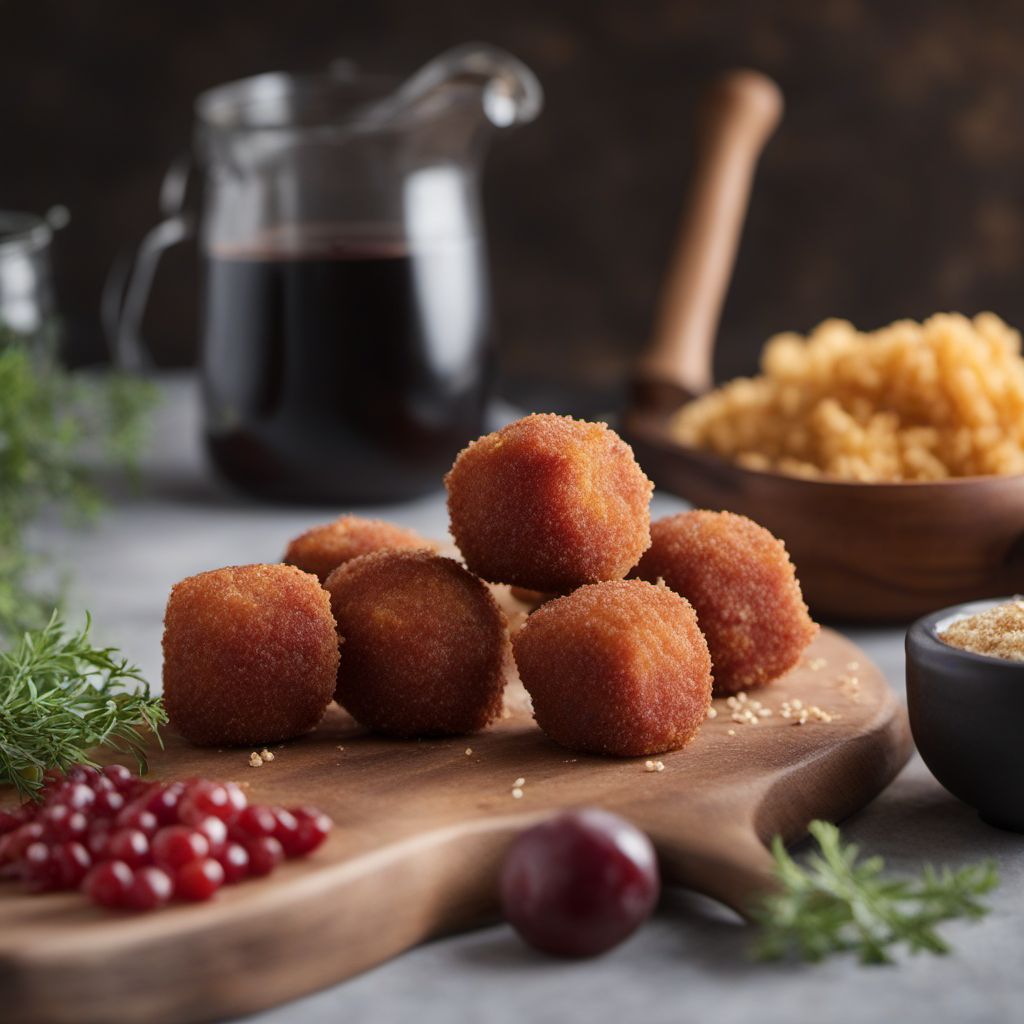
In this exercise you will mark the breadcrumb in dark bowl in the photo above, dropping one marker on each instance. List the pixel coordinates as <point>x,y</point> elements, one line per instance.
<point>967,716</point>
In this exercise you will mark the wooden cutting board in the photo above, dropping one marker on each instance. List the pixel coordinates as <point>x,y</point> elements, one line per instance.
<point>420,831</point>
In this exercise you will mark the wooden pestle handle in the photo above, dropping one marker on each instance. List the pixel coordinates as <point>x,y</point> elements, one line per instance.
<point>736,118</point>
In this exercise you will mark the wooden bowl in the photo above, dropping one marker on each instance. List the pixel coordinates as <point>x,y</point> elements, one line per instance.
<point>867,552</point>
<point>967,716</point>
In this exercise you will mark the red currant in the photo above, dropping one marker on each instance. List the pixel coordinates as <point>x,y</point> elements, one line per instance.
<point>82,773</point>
<point>98,839</point>
<point>312,828</point>
<point>234,859</point>
<point>76,795</point>
<point>135,815</point>
<point>176,845</point>
<point>198,879</point>
<point>10,819</point>
<point>204,799</point>
<point>580,883</point>
<point>265,854</point>
<point>63,823</point>
<point>255,821</point>
<point>163,802</point>
<point>122,778</point>
<point>73,863</point>
<point>216,833</point>
<point>129,845</point>
<point>286,827</point>
<point>150,888</point>
<point>39,868</point>
<point>14,844</point>
<point>109,802</point>
<point>108,883</point>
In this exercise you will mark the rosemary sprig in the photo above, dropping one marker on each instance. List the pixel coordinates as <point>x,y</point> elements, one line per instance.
<point>60,697</point>
<point>838,903</point>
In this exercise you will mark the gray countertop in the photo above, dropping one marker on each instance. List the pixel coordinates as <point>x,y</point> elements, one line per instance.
<point>691,961</point>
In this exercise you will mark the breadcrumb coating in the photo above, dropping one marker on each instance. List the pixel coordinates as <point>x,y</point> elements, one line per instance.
<point>549,503</point>
<point>250,655</point>
<point>425,644</point>
<point>323,548</point>
<point>616,668</point>
<point>744,588</point>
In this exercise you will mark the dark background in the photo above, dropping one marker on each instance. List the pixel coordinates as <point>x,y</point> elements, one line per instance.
<point>894,187</point>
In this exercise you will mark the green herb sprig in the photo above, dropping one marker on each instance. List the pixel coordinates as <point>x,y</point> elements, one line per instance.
<point>61,697</point>
<point>48,416</point>
<point>839,903</point>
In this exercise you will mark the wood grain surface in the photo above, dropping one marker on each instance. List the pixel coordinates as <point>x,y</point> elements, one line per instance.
<point>420,832</point>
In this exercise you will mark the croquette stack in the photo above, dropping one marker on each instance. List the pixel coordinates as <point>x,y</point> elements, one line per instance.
<point>614,666</point>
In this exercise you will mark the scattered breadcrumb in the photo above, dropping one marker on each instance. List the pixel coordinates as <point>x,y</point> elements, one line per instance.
<point>746,710</point>
<point>266,755</point>
<point>816,664</point>
<point>801,714</point>
<point>519,782</point>
<point>730,732</point>
<point>341,748</point>
<point>517,793</point>
<point>469,751</point>
<point>255,760</point>
<point>849,686</point>
<point>712,711</point>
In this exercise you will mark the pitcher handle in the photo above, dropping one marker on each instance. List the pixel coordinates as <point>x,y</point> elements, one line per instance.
<point>126,290</point>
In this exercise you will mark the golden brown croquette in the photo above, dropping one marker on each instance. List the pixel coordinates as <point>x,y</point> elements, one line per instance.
<point>549,503</point>
<point>323,548</point>
<point>250,655</point>
<point>744,588</point>
<point>616,668</point>
<point>425,644</point>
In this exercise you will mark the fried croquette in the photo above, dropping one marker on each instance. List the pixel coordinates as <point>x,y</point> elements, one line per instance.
<point>616,668</point>
<point>250,655</point>
<point>740,580</point>
<point>425,644</point>
<point>549,503</point>
<point>323,548</point>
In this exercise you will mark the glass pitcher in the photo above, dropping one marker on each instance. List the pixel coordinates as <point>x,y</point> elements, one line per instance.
<point>346,324</point>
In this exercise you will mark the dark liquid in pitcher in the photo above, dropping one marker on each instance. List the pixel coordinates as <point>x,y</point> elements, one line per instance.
<point>344,369</point>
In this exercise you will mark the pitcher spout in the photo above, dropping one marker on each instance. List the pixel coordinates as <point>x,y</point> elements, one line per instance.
<point>510,93</point>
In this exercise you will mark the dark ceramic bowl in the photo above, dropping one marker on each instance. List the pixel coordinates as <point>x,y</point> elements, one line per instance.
<point>967,717</point>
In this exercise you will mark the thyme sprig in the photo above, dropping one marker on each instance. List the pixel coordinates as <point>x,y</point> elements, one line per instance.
<point>839,903</point>
<point>61,697</point>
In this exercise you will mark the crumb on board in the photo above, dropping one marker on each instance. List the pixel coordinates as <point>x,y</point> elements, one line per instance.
<point>800,713</point>
<point>469,751</point>
<point>255,760</point>
<point>816,664</point>
<point>517,793</point>
<point>849,686</point>
<point>266,755</point>
<point>519,782</point>
<point>340,747</point>
<point>654,766</point>
<point>746,710</point>
<point>712,711</point>
<point>730,732</point>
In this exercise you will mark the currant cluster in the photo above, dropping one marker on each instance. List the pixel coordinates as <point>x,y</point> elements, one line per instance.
<point>137,845</point>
